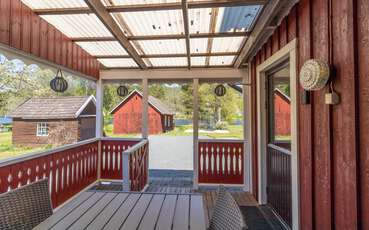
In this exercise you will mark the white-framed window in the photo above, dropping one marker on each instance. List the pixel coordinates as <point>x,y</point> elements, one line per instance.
<point>42,129</point>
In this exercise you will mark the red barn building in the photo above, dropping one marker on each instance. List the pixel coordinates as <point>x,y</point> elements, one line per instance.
<point>127,115</point>
<point>282,112</point>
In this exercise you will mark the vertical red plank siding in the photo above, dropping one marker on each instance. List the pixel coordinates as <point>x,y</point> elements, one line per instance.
<point>51,43</point>
<point>75,56</point>
<point>344,119</point>
<point>333,140</point>
<point>35,35</point>
<point>283,33</point>
<point>5,21</point>
<point>363,88</point>
<point>275,41</point>
<point>70,54</point>
<point>321,113</point>
<point>26,29</point>
<point>15,24</point>
<point>305,115</point>
<point>43,39</point>
<point>22,29</point>
<point>58,46</point>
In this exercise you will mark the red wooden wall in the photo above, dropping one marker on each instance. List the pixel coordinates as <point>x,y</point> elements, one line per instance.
<point>22,29</point>
<point>128,117</point>
<point>333,140</point>
<point>282,111</point>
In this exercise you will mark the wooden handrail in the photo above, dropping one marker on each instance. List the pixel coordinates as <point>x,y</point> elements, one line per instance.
<point>280,149</point>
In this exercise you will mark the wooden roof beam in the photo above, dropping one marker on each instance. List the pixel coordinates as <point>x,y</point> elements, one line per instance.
<point>163,37</point>
<point>152,7</point>
<point>213,22</point>
<point>99,9</point>
<point>187,31</point>
<point>171,55</point>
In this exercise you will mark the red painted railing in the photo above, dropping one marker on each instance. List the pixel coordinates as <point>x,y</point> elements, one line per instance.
<point>137,172</point>
<point>70,169</point>
<point>221,161</point>
<point>74,167</point>
<point>111,156</point>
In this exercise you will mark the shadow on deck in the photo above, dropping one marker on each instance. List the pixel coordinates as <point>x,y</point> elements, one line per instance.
<point>258,217</point>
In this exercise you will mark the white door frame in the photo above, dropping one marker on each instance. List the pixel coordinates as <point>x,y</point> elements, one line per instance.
<point>288,52</point>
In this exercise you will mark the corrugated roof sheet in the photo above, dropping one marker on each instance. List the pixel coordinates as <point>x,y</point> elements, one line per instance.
<point>199,45</point>
<point>103,48</point>
<point>178,61</point>
<point>199,20</point>
<point>239,18</point>
<point>50,107</point>
<point>231,44</point>
<point>154,22</point>
<point>45,4</point>
<point>170,46</point>
<point>221,60</point>
<point>78,25</point>
<point>198,61</point>
<point>117,62</point>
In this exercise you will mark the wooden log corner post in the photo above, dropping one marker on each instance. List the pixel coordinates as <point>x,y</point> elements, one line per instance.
<point>25,35</point>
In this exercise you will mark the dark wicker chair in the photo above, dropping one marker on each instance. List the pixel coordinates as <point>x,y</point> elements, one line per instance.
<point>226,215</point>
<point>25,207</point>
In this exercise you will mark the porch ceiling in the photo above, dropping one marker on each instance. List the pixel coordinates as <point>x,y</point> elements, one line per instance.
<point>157,33</point>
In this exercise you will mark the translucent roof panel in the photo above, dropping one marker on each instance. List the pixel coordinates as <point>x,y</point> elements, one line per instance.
<point>238,18</point>
<point>154,22</point>
<point>103,48</point>
<point>171,46</point>
<point>158,62</point>
<point>117,62</point>
<point>231,44</point>
<point>78,25</point>
<point>199,20</point>
<point>198,45</point>
<point>221,60</point>
<point>198,61</point>
<point>132,2</point>
<point>47,4</point>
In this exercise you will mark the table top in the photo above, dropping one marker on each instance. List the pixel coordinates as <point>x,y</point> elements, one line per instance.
<point>123,210</point>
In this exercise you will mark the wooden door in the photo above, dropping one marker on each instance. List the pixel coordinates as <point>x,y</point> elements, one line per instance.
<point>278,159</point>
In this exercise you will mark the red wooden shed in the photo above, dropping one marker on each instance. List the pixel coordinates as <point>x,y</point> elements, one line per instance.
<point>127,115</point>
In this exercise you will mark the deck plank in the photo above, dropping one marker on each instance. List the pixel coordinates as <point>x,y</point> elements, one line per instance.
<point>122,213</point>
<point>100,221</point>
<point>197,215</point>
<point>182,212</point>
<point>152,213</point>
<point>165,220</point>
<point>91,214</point>
<point>76,213</point>
<point>64,210</point>
<point>134,218</point>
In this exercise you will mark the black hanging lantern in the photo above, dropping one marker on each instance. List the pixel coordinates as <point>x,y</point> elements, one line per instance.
<point>122,91</point>
<point>59,84</point>
<point>220,90</point>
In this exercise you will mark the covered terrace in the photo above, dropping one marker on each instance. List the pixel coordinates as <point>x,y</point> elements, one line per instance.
<point>317,178</point>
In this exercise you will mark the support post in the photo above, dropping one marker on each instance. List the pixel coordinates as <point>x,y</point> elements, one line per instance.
<point>126,180</point>
<point>247,131</point>
<point>145,108</point>
<point>99,108</point>
<point>195,132</point>
<point>99,122</point>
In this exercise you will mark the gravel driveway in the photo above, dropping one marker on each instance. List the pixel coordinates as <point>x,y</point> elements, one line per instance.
<point>168,152</point>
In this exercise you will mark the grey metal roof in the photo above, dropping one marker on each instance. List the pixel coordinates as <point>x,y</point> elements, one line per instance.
<point>52,107</point>
<point>153,101</point>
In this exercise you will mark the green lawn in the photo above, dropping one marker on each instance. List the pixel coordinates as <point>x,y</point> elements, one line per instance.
<point>109,132</point>
<point>7,150</point>
<point>235,131</point>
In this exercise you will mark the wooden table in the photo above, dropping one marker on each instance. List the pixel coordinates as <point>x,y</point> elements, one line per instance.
<point>121,210</point>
